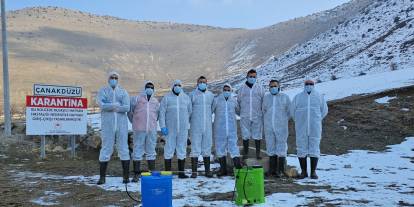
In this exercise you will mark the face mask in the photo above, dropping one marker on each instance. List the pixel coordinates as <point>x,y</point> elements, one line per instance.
<point>308,88</point>
<point>113,82</point>
<point>226,94</point>
<point>251,80</point>
<point>177,89</point>
<point>202,86</point>
<point>274,90</point>
<point>149,91</point>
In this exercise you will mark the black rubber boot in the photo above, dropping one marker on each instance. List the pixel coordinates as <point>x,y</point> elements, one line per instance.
<point>181,164</point>
<point>245,149</point>
<point>102,172</point>
<point>125,171</point>
<point>223,167</point>
<point>207,167</point>
<point>194,162</point>
<point>314,164</point>
<point>237,163</point>
<point>272,167</point>
<point>257,143</point>
<point>167,164</point>
<point>151,165</point>
<point>137,170</point>
<point>303,167</point>
<point>281,166</point>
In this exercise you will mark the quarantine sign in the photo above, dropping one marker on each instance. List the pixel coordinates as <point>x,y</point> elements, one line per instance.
<point>49,115</point>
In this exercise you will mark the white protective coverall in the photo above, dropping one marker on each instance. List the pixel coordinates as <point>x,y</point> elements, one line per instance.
<point>143,116</point>
<point>201,123</point>
<point>250,103</point>
<point>225,126</point>
<point>114,104</point>
<point>174,114</point>
<point>276,113</point>
<point>308,111</point>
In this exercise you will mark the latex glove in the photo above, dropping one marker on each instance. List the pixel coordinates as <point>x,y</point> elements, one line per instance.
<point>164,131</point>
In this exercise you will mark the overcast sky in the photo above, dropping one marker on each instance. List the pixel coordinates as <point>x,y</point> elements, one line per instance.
<point>223,13</point>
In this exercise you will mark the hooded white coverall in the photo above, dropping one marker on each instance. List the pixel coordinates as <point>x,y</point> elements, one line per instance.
<point>114,104</point>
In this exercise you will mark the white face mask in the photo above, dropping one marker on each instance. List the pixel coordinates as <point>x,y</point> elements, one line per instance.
<point>113,83</point>
<point>177,89</point>
<point>149,91</point>
<point>274,90</point>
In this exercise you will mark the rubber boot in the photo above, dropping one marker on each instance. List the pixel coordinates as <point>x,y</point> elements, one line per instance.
<point>303,167</point>
<point>181,173</point>
<point>207,167</point>
<point>137,170</point>
<point>314,164</point>
<point>125,171</point>
<point>223,167</point>
<point>245,149</point>
<point>237,163</point>
<point>281,167</point>
<point>194,162</point>
<point>102,172</point>
<point>167,164</point>
<point>257,143</point>
<point>151,165</point>
<point>272,168</point>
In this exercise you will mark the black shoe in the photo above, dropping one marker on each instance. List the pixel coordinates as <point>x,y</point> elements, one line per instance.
<point>303,167</point>
<point>237,163</point>
<point>151,165</point>
<point>125,171</point>
<point>181,173</point>
<point>102,172</point>
<point>167,164</point>
<point>245,149</point>
<point>223,167</point>
<point>194,162</point>
<point>272,166</point>
<point>207,167</point>
<point>137,171</point>
<point>257,143</point>
<point>281,166</point>
<point>314,164</point>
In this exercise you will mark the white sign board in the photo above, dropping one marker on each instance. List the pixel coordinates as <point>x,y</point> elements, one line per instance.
<point>48,115</point>
<point>52,90</point>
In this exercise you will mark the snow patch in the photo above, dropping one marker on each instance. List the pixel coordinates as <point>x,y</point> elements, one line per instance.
<point>49,198</point>
<point>361,85</point>
<point>359,178</point>
<point>385,99</point>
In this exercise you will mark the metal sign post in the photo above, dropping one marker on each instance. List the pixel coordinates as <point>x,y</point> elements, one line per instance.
<point>42,147</point>
<point>6,89</point>
<point>73,146</point>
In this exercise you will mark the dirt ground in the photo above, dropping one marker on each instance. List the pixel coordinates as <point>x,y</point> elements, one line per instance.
<point>356,122</point>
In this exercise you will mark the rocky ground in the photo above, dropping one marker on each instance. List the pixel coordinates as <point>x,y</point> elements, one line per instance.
<point>357,122</point>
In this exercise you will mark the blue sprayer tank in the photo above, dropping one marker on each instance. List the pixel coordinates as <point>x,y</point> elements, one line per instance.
<point>156,189</point>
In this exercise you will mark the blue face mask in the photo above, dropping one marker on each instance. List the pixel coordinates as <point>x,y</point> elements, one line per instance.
<point>226,94</point>
<point>308,88</point>
<point>113,82</point>
<point>274,90</point>
<point>251,80</point>
<point>177,89</point>
<point>149,91</point>
<point>202,86</point>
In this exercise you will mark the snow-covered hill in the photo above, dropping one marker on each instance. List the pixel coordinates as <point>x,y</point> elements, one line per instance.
<point>380,38</point>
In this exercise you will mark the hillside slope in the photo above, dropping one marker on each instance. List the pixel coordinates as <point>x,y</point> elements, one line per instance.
<point>60,46</point>
<point>380,38</point>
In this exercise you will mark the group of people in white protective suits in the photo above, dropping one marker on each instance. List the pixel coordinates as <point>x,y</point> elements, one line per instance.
<point>179,113</point>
